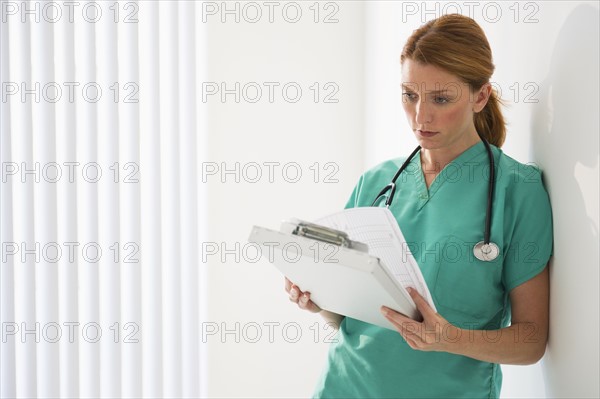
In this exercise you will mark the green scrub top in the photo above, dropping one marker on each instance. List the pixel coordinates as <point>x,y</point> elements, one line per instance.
<point>441,225</point>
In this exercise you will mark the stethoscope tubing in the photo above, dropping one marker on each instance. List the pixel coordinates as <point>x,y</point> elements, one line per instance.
<point>484,250</point>
<point>490,199</point>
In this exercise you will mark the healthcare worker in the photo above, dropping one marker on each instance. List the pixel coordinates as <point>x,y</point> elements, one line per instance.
<point>492,307</point>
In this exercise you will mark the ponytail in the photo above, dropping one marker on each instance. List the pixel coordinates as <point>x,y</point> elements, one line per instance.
<point>490,121</point>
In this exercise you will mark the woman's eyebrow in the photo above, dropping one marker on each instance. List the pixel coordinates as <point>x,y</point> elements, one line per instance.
<point>411,86</point>
<point>444,91</point>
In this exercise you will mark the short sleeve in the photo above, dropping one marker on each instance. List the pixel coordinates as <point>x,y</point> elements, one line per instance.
<point>353,200</point>
<point>371,181</point>
<point>529,231</point>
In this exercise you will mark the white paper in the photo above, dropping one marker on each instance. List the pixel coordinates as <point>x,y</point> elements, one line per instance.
<point>377,227</point>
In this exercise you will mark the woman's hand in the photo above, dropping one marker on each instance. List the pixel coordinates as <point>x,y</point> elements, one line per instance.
<point>302,299</point>
<point>433,333</point>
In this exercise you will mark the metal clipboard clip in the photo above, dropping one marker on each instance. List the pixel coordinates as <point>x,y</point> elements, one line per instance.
<point>322,233</point>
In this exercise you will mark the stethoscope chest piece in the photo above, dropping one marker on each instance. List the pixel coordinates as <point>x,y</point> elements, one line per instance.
<point>486,252</point>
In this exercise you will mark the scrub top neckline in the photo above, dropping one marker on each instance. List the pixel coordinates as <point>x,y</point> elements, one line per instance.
<point>421,190</point>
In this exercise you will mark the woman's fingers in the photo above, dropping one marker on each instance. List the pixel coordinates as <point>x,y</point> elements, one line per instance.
<point>294,293</point>
<point>302,299</point>
<point>305,303</point>
<point>288,285</point>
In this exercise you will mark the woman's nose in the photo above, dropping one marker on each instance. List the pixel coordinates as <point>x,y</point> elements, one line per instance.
<point>423,113</point>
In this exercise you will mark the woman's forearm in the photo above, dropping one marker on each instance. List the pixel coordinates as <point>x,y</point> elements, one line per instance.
<point>521,343</point>
<point>524,342</point>
<point>333,318</point>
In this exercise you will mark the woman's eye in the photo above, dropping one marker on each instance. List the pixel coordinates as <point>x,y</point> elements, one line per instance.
<point>409,96</point>
<point>441,100</point>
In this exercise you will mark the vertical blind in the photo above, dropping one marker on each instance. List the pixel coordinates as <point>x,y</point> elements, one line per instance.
<point>102,135</point>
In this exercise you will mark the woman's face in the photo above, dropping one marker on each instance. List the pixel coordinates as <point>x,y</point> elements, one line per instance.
<point>440,107</point>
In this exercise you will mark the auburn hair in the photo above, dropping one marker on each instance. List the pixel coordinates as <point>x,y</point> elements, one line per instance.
<point>457,44</point>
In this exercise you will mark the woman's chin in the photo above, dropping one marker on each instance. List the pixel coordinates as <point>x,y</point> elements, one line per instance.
<point>428,144</point>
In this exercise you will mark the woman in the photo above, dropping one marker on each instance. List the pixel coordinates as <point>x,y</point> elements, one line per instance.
<point>489,312</point>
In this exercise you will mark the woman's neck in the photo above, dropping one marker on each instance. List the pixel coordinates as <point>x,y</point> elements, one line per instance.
<point>434,160</point>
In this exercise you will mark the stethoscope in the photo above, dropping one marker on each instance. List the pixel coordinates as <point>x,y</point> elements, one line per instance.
<point>484,250</point>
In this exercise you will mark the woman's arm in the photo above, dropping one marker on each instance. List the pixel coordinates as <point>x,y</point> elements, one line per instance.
<point>524,342</point>
<point>332,318</point>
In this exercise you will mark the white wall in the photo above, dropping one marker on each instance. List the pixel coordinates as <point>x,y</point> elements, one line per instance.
<point>564,141</point>
<point>301,133</point>
<point>551,63</point>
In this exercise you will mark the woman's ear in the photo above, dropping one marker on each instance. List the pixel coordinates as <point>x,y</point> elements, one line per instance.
<point>481,97</point>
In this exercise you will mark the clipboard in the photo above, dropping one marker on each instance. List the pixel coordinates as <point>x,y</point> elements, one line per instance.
<point>339,273</point>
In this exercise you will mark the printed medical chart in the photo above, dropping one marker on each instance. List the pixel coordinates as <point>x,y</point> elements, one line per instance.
<point>377,227</point>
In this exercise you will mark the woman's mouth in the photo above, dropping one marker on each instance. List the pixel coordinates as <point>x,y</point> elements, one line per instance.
<point>426,133</point>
